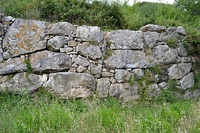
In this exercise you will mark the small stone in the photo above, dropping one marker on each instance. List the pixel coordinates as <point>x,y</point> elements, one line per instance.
<point>66,50</point>
<point>80,60</point>
<point>81,69</point>
<point>72,43</point>
<point>113,80</point>
<point>162,84</point>
<point>6,55</point>
<point>122,75</point>
<point>138,72</point>
<point>107,74</point>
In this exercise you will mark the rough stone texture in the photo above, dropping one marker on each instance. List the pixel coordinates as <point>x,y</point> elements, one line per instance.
<point>180,30</point>
<point>126,39</point>
<point>151,38</point>
<point>61,28</point>
<point>151,27</point>
<point>153,90</point>
<point>138,72</point>
<point>71,85</point>
<point>181,50</point>
<point>126,59</point>
<point>23,83</point>
<point>165,54</point>
<point>124,91</point>
<point>122,75</point>
<point>57,42</point>
<point>13,65</point>
<point>95,69</point>
<point>1,30</point>
<point>47,61</point>
<point>103,86</point>
<point>80,60</point>
<point>81,69</point>
<point>177,71</point>
<point>89,33</point>
<point>88,49</point>
<point>24,36</point>
<point>187,81</point>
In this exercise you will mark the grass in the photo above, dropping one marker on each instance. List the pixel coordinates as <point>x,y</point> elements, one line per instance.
<point>43,112</point>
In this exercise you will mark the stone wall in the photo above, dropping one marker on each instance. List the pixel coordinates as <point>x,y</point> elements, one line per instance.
<point>80,61</point>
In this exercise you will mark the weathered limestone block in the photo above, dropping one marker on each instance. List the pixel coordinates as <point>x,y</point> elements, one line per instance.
<point>47,61</point>
<point>153,90</point>
<point>125,39</point>
<point>95,69</point>
<point>89,33</point>
<point>23,83</point>
<point>13,65</point>
<point>80,60</point>
<point>177,71</point>
<point>124,91</point>
<point>152,27</point>
<point>103,86</point>
<point>126,59</point>
<point>187,81</point>
<point>151,38</point>
<point>57,42</point>
<point>181,50</point>
<point>88,49</point>
<point>71,85</point>
<point>180,30</point>
<point>122,75</point>
<point>165,54</point>
<point>1,30</point>
<point>192,94</point>
<point>81,69</point>
<point>24,36</point>
<point>61,28</point>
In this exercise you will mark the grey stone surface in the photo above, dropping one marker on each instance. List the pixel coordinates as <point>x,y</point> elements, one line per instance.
<point>138,72</point>
<point>90,50</point>
<point>165,54</point>
<point>23,83</point>
<point>103,86</point>
<point>187,81</point>
<point>95,69</point>
<point>126,59</point>
<point>71,85</point>
<point>180,30</point>
<point>177,71</point>
<point>80,60</point>
<point>81,69</point>
<point>181,50</point>
<point>24,36</point>
<point>89,33</point>
<point>152,27</point>
<point>126,39</point>
<point>47,61</point>
<point>13,65</point>
<point>151,39</point>
<point>122,75</point>
<point>61,28</point>
<point>6,55</point>
<point>57,42</point>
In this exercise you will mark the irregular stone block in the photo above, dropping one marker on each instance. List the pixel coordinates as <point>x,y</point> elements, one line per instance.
<point>89,33</point>
<point>57,42</point>
<point>13,65</point>
<point>181,50</point>
<point>152,27</point>
<point>24,36</point>
<point>103,86</point>
<point>23,83</point>
<point>90,50</point>
<point>125,39</point>
<point>47,61</point>
<point>95,69</point>
<point>138,72</point>
<point>180,30</point>
<point>80,60</point>
<point>81,69</point>
<point>122,75</point>
<point>164,54</point>
<point>177,71</point>
<point>61,28</point>
<point>71,85</point>
<point>124,91</point>
<point>126,59</point>
<point>187,81</point>
<point>151,38</point>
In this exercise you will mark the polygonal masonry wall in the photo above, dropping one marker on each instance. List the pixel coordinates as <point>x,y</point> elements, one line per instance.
<point>78,61</point>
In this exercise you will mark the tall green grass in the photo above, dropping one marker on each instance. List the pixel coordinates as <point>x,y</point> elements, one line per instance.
<point>43,112</point>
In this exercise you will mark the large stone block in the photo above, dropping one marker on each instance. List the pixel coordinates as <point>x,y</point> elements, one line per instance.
<point>24,36</point>
<point>151,38</point>
<point>187,81</point>
<point>89,33</point>
<point>103,86</point>
<point>71,85</point>
<point>21,82</point>
<point>126,59</point>
<point>125,39</point>
<point>177,71</point>
<point>47,61</point>
<point>61,28</point>
<point>88,49</point>
<point>13,65</point>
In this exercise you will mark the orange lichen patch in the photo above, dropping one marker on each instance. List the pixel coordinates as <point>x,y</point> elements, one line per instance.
<point>20,44</point>
<point>21,59</point>
<point>34,27</point>
<point>15,51</point>
<point>6,44</point>
<point>18,35</point>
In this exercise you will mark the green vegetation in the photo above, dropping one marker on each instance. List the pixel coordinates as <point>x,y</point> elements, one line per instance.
<point>42,112</point>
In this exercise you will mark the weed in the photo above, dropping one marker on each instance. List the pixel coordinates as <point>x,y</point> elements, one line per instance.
<point>172,42</point>
<point>131,80</point>
<point>109,53</point>
<point>29,70</point>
